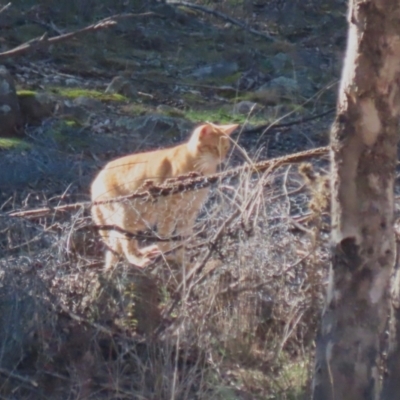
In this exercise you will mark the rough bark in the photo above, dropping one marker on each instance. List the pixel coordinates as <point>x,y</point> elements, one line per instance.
<point>391,382</point>
<point>364,156</point>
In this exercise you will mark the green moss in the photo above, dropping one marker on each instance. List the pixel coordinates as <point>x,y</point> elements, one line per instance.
<point>208,115</point>
<point>13,143</point>
<point>138,109</point>
<point>218,116</point>
<point>66,134</point>
<point>194,99</point>
<point>292,379</point>
<point>231,78</point>
<point>189,11</point>
<point>26,93</point>
<point>221,116</point>
<point>73,93</point>
<point>72,123</point>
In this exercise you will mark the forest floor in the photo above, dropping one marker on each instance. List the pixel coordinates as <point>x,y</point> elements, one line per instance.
<point>245,329</point>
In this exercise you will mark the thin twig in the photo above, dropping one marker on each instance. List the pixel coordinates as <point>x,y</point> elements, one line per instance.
<point>20,378</point>
<point>80,319</point>
<point>224,17</point>
<point>188,280</point>
<point>299,121</point>
<point>4,8</point>
<point>44,41</point>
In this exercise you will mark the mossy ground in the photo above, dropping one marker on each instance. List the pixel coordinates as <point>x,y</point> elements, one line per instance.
<point>26,93</point>
<point>74,93</point>
<point>13,143</point>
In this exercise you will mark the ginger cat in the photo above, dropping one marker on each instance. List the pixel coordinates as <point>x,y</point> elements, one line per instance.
<point>173,215</point>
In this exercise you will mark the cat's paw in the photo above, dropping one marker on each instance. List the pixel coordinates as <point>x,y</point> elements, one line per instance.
<point>150,253</point>
<point>145,258</point>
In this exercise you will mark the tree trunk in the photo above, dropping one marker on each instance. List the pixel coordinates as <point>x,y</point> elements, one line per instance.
<point>391,382</point>
<point>364,157</point>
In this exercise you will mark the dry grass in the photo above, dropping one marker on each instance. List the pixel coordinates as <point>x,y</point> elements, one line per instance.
<point>242,326</point>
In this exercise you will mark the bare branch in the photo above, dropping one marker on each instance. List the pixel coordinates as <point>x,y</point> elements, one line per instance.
<point>11,374</point>
<point>299,121</point>
<point>181,184</point>
<point>4,8</point>
<point>224,17</point>
<point>44,42</point>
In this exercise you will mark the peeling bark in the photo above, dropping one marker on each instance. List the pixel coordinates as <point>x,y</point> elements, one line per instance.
<point>363,156</point>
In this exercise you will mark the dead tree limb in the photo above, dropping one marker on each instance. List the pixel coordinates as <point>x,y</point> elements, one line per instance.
<point>4,8</point>
<point>43,41</point>
<point>180,184</point>
<point>299,121</point>
<point>224,17</point>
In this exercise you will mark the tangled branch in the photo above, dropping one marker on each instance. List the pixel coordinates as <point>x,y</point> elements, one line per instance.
<point>180,184</point>
<point>223,17</point>
<point>45,42</point>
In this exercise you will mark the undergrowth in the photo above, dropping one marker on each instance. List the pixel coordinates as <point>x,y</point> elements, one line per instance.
<point>242,325</point>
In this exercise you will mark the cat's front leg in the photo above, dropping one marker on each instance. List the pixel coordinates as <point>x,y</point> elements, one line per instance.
<point>150,253</point>
<point>184,229</point>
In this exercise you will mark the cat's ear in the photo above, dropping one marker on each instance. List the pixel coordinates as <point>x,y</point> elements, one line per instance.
<point>204,130</point>
<point>228,129</point>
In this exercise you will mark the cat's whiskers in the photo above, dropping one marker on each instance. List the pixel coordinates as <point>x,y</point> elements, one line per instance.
<point>207,163</point>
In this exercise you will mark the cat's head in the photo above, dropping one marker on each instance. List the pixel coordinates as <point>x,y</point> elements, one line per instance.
<point>212,139</point>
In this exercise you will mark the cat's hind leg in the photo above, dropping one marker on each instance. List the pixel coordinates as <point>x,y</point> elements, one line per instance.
<point>131,218</point>
<point>100,215</point>
<point>139,257</point>
<point>111,259</point>
<point>184,229</point>
<point>166,223</point>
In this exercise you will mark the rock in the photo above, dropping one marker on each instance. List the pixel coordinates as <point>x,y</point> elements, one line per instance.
<point>165,10</point>
<point>16,310</point>
<point>171,111</point>
<point>278,111</point>
<point>36,165</point>
<point>246,107</point>
<point>156,124</point>
<point>252,79</point>
<point>219,70</point>
<point>24,311</point>
<point>79,114</point>
<point>121,85</point>
<point>280,62</point>
<point>281,87</point>
<point>155,62</point>
<point>73,82</point>
<point>11,120</point>
<point>88,102</point>
<point>306,86</point>
<point>35,106</point>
